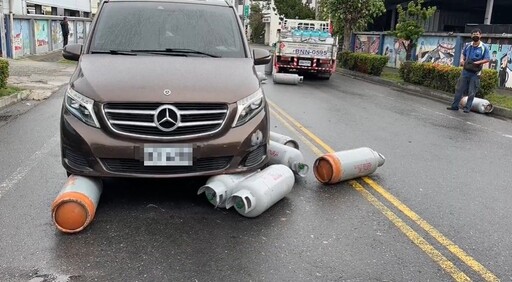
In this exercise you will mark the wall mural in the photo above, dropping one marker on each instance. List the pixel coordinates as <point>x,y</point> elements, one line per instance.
<point>394,49</point>
<point>437,50</point>
<point>57,40</point>
<point>41,32</point>
<point>367,44</point>
<point>21,37</point>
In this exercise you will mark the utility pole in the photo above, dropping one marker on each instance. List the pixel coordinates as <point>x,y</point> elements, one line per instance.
<point>2,31</point>
<point>488,11</point>
<point>317,14</point>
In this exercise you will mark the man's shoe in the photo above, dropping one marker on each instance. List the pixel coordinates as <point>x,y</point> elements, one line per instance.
<point>466,111</point>
<point>452,109</point>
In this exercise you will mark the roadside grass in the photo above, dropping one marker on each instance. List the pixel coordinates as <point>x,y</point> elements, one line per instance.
<point>69,62</point>
<point>390,75</point>
<point>500,100</point>
<point>9,90</point>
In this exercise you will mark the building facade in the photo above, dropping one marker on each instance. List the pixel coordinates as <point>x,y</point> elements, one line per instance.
<point>29,27</point>
<point>453,15</point>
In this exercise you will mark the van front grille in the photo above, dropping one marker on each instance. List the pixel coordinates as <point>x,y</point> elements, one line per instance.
<point>185,120</point>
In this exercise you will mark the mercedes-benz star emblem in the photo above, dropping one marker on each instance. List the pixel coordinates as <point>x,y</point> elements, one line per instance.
<point>167,92</point>
<point>167,118</point>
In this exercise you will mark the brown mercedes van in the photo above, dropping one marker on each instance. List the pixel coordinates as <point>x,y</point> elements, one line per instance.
<point>164,88</point>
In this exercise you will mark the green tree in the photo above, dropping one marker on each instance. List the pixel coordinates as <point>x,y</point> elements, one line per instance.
<point>410,24</point>
<point>256,23</point>
<point>351,15</point>
<point>294,9</point>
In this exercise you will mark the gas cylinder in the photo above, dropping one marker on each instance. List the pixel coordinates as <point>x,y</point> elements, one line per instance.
<point>288,156</point>
<point>75,206</point>
<point>339,166</point>
<point>219,188</point>
<point>479,105</point>
<point>296,35</point>
<point>283,139</point>
<point>287,78</point>
<point>262,190</point>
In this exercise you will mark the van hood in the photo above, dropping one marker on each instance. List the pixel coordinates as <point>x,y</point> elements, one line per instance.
<point>117,78</point>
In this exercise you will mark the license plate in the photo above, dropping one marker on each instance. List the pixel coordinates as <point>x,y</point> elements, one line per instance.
<point>304,63</point>
<point>168,155</point>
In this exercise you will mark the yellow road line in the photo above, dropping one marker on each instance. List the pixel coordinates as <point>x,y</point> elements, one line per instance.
<point>461,254</point>
<point>416,238</point>
<point>302,128</point>
<point>452,247</point>
<point>301,137</point>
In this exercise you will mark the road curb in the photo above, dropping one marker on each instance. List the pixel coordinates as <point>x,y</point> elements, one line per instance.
<point>418,90</point>
<point>14,98</point>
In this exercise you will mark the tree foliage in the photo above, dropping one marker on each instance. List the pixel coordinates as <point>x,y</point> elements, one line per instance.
<point>294,9</point>
<point>411,23</point>
<point>351,15</point>
<point>257,25</point>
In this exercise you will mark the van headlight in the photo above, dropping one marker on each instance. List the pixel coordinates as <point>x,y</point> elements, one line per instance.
<point>248,107</point>
<point>81,107</point>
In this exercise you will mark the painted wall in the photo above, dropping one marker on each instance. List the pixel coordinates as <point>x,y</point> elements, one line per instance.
<point>41,33</point>
<point>44,34</point>
<point>367,44</point>
<point>57,40</point>
<point>21,36</point>
<point>501,59</point>
<point>436,49</point>
<point>440,49</point>
<point>80,32</point>
<point>394,49</point>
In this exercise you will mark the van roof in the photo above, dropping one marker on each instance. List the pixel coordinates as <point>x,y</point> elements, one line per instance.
<point>210,2</point>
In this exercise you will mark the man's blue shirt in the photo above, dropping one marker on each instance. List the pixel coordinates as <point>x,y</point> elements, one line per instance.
<point>475,53</point>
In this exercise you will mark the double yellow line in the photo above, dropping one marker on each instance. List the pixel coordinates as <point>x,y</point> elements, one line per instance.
<point>305,136</point>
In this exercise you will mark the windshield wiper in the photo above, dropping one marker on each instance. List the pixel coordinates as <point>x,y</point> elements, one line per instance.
<point>114,52</point>
<point>174,51</point>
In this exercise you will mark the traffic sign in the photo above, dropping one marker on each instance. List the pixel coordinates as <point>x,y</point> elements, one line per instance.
<point>247,10</point>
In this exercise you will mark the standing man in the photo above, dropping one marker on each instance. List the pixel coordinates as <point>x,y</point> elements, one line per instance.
<point>474,55</point>
<point>64,26</point>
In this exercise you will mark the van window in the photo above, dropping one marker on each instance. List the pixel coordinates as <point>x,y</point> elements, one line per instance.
<point>127,26</point>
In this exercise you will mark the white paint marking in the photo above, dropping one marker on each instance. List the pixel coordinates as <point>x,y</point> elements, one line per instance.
<point>27,166</point>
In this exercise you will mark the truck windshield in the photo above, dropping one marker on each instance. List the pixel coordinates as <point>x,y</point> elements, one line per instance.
<point>149,27</point>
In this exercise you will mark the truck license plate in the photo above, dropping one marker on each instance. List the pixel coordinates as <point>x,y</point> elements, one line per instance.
<point>304,63</point>
<point>168,155</point>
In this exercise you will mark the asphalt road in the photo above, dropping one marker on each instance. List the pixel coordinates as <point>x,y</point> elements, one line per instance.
<point>437,210</point>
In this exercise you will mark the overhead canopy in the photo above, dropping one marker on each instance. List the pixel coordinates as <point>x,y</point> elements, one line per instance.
<point>79,5</point>
<point>473,11</point>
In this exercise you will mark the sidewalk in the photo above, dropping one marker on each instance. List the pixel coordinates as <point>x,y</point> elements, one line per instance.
<point>418,90</point>
<point>499,91</point>
<point>38,76</point>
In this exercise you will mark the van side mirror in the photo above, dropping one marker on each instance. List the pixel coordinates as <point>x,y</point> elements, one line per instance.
<point>261,56</point>
<point>72,52</point>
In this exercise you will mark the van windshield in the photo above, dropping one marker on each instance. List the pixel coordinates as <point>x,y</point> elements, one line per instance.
<point>172,28</point>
